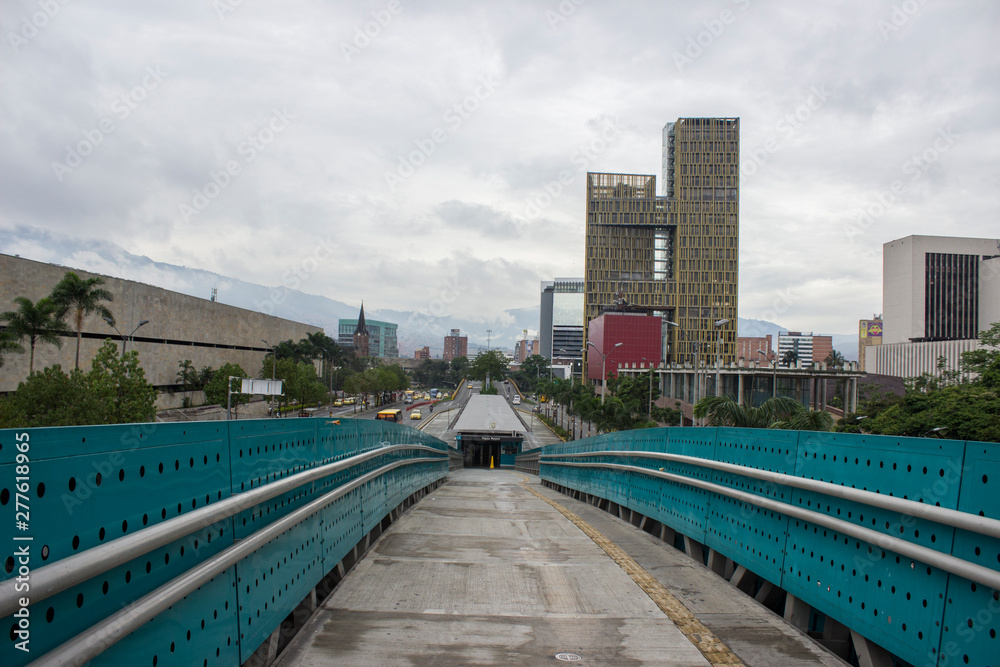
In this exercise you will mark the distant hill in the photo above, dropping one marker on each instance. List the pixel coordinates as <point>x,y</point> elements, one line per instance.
<point>415,329</point>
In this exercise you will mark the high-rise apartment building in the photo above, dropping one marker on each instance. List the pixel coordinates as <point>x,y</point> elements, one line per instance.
<point>422,353</point>
<point>561,319</point>
<point>677,255</point>
<point>455,345</point>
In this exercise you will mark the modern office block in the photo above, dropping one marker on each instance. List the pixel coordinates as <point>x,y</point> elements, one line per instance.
<point>674,256</point>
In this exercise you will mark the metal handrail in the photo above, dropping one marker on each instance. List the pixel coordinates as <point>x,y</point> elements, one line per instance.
<point>942,515</point>
<point>100,637</point>
<point>946,562</point>
<point>67,572</point>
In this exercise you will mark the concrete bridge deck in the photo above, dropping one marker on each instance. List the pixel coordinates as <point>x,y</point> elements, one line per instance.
<point>487,570</point>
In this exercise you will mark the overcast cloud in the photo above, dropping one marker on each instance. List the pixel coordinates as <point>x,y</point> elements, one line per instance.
<point>427,139</point>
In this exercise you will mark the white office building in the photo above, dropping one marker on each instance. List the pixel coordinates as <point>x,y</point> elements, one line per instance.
<point>938,293</point>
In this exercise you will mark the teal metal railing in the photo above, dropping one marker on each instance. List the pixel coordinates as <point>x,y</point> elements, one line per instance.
<point>896,538</point>
<point>186,544</point>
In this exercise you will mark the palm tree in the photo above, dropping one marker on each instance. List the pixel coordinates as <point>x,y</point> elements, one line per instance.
<point>724,411</point>
<point>806,420</point>
<point>789,358</point>
<point>834,360</point>
<point>35,322</point>
<point>8,344</point>
<point>83,297</point>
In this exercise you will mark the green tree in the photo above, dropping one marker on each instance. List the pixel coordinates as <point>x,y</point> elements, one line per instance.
<point>119,385</point>
<point>217,391</point>
<point>431,373</point>
<point>81,297</point>
<point>960,412</point>
<point>835,360</point>
<point>459,369</point>
<point>789,358</point>
<point>50,397</point>
<point>8,344</point>
<point>724,411</point>
<point>985,361</point>
<point>35,322</point>
<point>491,364</point>
<point>187,375</point>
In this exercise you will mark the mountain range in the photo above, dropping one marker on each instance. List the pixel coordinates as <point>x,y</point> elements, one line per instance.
<point>415,329</point>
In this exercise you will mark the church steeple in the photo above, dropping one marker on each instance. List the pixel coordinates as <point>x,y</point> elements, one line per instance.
<point>361,335</point>
<point>362,328</point>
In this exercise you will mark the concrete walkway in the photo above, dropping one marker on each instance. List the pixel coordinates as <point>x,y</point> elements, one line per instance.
<point>488,571</point>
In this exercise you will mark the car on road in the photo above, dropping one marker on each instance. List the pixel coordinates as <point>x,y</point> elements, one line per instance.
<point>517,400</point>
<point>339,403</point>
<point>416,415</point>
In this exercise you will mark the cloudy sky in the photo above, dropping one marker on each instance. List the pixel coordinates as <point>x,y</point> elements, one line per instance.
<point>419,154</point>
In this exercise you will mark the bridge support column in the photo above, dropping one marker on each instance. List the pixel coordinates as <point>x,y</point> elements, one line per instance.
<point>744,580</point>
<point>869,653</point>
<point>717,562</point>
<point>797,612</point>
<point>693,549</point>
<point>739,389</point>
<point>667,534</point>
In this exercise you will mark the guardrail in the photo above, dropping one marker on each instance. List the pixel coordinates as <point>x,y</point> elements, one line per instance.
<point>189,543</point>
<point>897,539</point>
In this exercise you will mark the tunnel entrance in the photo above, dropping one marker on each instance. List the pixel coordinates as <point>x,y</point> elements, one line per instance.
<point>478,451</point>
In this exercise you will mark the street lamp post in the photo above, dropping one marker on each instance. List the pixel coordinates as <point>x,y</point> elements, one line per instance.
<point>649,411</point>
<point>604,367</point>
<point>124,338</point>
<point>718,361</point>
<point>774,365</point>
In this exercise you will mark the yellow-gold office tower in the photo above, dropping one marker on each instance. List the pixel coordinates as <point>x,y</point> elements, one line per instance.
<point>675,255</point>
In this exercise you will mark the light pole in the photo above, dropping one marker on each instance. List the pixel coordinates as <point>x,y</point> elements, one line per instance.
<point>774,365</point>
<point>111,323</point>
<point>649,411</point>
<point>274,358</point>
<point>718,360</point>
<point>604,367</point>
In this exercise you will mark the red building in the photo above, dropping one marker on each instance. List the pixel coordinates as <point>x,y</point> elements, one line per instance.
<point>455,345</point>
<point>640,335</point>
<point>422,353</point>
<point>747,348</point>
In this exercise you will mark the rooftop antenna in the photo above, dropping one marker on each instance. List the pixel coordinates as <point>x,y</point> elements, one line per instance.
<point>215,294</point>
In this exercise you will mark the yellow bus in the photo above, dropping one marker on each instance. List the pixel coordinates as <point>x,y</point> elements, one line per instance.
<point>392,415</point>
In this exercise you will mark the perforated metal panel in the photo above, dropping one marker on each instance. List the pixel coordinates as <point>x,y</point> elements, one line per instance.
<point>90,485</point>
<point>920,613</point>
<point>972,611</point>
<point>752,536</point>
<point>892,600</point>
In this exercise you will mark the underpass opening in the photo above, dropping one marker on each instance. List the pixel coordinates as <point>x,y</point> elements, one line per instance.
<point>482,451</point>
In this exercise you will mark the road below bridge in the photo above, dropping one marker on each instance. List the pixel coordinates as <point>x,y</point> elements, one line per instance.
<point>489,569</point>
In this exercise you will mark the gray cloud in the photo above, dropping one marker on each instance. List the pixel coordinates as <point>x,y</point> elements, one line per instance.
<point>532,87</point>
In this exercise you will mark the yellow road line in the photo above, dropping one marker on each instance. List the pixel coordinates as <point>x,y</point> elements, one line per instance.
<point>714,650</point>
